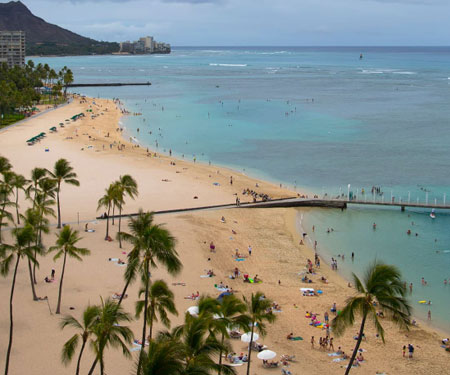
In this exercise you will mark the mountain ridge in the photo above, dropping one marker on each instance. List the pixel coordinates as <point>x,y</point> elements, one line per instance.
<point>43,38</point>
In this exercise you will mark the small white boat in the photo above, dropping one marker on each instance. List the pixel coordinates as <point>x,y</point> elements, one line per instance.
<point>433,214</point>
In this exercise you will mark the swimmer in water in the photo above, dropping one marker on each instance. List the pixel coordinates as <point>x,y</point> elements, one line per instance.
<point>374,226</point>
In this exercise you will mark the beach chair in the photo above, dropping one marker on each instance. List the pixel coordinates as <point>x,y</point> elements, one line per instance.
<point>271,364</point>
<point>257,347</point>
<point>235,335</point>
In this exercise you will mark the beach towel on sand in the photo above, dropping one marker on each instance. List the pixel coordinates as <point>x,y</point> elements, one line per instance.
<point>297,338</point>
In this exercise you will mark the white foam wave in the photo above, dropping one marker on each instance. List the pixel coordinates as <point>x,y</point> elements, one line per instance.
<point>365,71</point>
<point>239,65</point>
<point>405,73</point>
<point>273,53</point>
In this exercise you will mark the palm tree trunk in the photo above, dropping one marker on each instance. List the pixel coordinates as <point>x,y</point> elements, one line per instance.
<point>17,206</point>
<point>79,357</point>
<point>114,209</point>
<point>102,366</point>
<point>59,207</point>
<point>58,308</point>
<point>8,353</point>
<point>220,354</point>
<point>1,221</point>
<point>250,349</point>
<point>107,222</point>
<point>93,366</point>
<point>358,343</point>
<point>144,328</point>
<point>123,292</point>
<point>120,220</point>
<point>33,290</point>
<point>150,324</point>
<point>38,242</point>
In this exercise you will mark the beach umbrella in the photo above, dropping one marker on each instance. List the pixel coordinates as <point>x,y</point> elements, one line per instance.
<point>246,337</point>
<point>224,294</point>
<point>266,354</point>
<point>193,310</point>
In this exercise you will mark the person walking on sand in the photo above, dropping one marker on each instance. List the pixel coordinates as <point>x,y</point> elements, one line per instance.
<point>53,274</point>
<point>312,342</point>
<point>249,250</point>
<point>404,351</point>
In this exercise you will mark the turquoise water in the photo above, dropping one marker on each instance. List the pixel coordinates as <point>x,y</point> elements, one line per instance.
<point>316,118</point>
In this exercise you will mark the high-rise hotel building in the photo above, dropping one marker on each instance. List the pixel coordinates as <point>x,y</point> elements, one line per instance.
<point>12,48</point>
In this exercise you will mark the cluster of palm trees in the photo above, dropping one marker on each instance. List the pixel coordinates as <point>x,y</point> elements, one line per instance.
<point>195,347</point>
<point>26,235</point>
<point>18,85</point>
<point>114,198</point>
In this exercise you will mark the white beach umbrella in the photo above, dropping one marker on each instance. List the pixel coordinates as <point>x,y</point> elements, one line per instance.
<point>246,337</point>
<point>267,354</point>
<point>193,310</point>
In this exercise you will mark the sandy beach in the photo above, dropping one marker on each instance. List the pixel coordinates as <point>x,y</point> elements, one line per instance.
<point>93,145</point>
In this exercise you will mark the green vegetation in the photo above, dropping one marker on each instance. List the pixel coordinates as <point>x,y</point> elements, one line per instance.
<point>21,88</point>
<point>65,246</point>
<point>381,289</point>
<point>72,49</point>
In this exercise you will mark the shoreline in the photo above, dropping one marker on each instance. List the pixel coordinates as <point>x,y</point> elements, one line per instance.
<point>424,324</point>
<point>97,160</point>
<point>309,249</point>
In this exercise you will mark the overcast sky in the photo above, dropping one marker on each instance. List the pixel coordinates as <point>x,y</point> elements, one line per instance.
<point>254,22</point>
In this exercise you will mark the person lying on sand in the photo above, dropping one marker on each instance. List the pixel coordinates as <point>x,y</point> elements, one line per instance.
<point>119,295</point>
<point>193,296</point>
<point>182,284</point>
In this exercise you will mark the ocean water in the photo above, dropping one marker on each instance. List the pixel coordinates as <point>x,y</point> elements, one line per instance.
<point>316,119</point>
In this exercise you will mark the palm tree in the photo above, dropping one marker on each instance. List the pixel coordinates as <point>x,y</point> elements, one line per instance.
<point>200,347</point>
<point>4,165</point>
<point>257,307</point>
<point>381,289</point>
<point>37,174</point>
<point>31,219</point>
<point>18,182</point>
<point>224,316</point>
<point>6,190</point>
<point>165,357</point>
<point>65,245</point>
<point>43,205</point>
<point>126,186</point>
<point>151,243</point>
<point>109,331</point>
<point>20,249</point>
<point>63,172</point>
<point>86,329</point>
<point>106,201</point>
<point>161,301</point>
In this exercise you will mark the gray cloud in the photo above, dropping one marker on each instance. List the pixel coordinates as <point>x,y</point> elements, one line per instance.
<point>161,1</point>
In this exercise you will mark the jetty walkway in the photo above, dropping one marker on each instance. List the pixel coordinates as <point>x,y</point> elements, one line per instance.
<point>303,202</point>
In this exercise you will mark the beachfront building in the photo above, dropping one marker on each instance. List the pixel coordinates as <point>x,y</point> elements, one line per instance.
<point>12,48</point>
<point>145,45</point>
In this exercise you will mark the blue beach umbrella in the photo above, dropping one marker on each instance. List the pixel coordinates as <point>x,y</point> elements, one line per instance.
<point>224,294</point>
